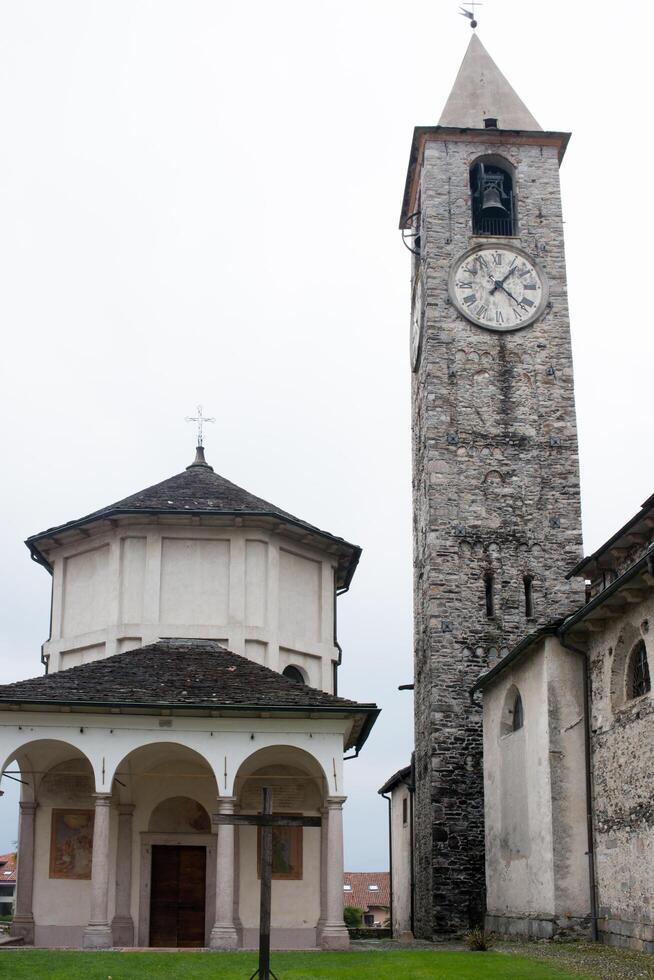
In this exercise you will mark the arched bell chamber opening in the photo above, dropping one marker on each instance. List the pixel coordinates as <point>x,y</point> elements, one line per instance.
<point>492,189</point>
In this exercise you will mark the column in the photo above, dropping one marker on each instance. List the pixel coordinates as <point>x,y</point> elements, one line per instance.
<point>324,812</point>
<point>223,934</point>
<point>97,934</point>
<point>122,924</point>
<point>23,924</point>
<point>334,934</point>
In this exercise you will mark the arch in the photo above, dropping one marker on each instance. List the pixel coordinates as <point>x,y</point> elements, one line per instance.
<point>638,679</point>
<point>626,643</point>
<point>493,197</point>
<point>513,715</point>
<point>275,755</point>
<point>296,674</point>
<point>38,756</point>
<point>174,768</point>
<point>179,815</point>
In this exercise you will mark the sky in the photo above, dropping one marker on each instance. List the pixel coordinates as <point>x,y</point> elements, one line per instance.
<point>199,203</point>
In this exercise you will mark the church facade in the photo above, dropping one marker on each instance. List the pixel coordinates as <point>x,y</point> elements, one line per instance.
<point>192,660</point>
<point>498,567</point>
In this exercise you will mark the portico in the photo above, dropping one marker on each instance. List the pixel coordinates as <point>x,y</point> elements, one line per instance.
<point>127,760</point>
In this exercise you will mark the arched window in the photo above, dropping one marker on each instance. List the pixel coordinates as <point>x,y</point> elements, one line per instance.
<point>513,715</point>
<point>294,674</point>
<point>493,199</point>
<point>518,719</point>
<point>638,677</point>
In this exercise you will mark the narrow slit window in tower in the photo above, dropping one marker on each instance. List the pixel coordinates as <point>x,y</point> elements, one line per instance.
<point>529,596</point>
<point>489,586</point>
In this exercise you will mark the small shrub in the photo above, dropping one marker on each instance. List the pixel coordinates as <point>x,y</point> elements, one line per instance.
<point>478,940</point>
<point>353,917</point>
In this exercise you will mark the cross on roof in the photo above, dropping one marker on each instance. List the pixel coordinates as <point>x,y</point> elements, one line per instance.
<point>200,419</point>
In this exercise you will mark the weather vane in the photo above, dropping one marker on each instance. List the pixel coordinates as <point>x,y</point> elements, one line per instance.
<point>470,14</point>
<point>200,419</point>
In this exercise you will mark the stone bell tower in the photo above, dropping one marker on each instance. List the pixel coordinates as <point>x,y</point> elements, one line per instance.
<point>495,470</point>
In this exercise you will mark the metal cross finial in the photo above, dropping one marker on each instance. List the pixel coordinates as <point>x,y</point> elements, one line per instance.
<point>200,419</point>
<point>470,14</point>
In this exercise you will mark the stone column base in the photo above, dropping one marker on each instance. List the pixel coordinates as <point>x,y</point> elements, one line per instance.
<point>97,937</point>
<point>334,937</point>
<point>223,937</point>
<point>22,927</point>
<point>122,930</point>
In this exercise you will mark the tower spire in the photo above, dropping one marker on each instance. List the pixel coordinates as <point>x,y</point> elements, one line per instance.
<point>482,92</point>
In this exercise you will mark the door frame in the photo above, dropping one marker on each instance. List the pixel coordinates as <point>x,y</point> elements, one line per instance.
<point>208,841</point>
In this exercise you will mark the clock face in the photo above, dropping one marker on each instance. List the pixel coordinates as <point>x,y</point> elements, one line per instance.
<point>498,287</point>
<point>416,326</point>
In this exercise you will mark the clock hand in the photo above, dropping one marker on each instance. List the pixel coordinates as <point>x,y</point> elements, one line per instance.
<point>500,285</point>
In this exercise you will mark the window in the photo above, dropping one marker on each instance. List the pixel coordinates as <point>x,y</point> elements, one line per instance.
<point>347,888</point>
<point>489,587</point>
<point>405,811</point>
<point>493,201</point>
<point>294,674</point>
<point>373,888</point>
<point>529,596</point>
<point>638,677</point>
<point>513,714</point>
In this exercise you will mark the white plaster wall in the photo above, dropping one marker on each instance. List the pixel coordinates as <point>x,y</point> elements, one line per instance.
<point>251,589</point>
<point>535,796</point>
<point>401,850</point>
<point>295,904</point>
<point>519,862</point>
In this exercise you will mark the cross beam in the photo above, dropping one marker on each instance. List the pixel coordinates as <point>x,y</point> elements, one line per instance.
<point>266,820</point>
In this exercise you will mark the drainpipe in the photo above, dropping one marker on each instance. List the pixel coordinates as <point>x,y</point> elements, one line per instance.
<point>589,784</point>
<point>390,861</point>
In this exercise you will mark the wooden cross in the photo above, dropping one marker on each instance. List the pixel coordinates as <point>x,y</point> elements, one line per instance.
<point>266,820</point>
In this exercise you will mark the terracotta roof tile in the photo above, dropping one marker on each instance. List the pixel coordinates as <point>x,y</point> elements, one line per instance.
<point>360,895</point>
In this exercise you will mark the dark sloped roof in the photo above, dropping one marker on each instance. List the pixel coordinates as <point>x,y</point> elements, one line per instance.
<point>179,673</point>
<point>198,490</point>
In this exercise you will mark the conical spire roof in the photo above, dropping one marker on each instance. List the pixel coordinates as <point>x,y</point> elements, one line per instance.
<point>481,91</point>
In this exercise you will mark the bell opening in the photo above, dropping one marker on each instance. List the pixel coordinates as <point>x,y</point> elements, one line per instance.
<point>493,211</point>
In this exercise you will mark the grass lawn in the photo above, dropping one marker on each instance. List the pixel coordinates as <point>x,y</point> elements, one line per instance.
<point>27,964</point>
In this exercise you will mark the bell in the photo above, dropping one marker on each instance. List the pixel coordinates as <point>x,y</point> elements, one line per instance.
<point>491,203</point>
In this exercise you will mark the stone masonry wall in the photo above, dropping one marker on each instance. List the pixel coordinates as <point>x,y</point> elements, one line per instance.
<point>623,782</point>
<point>496,489</point>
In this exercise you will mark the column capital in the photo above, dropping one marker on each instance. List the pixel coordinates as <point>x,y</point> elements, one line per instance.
<point>226,804</point>
<point>102,799</point>
<point>27,806</point>
<point>335,802</point>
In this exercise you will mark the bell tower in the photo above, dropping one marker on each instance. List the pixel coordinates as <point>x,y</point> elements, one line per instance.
<point>495,469</point>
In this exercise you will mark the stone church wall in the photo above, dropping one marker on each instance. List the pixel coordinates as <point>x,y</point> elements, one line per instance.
<point>623,781</point>
<point>496,490</point>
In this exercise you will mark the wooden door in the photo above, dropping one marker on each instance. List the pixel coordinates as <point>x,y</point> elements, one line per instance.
<point>177,896</point>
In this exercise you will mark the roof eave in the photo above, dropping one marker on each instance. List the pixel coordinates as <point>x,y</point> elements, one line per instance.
<point>642,514</point>
<point>369,712</point>
<point>525,644</point>
<point>352,551</point>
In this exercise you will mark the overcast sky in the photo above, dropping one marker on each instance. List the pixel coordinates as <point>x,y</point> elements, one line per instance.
<point>199,203</point>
